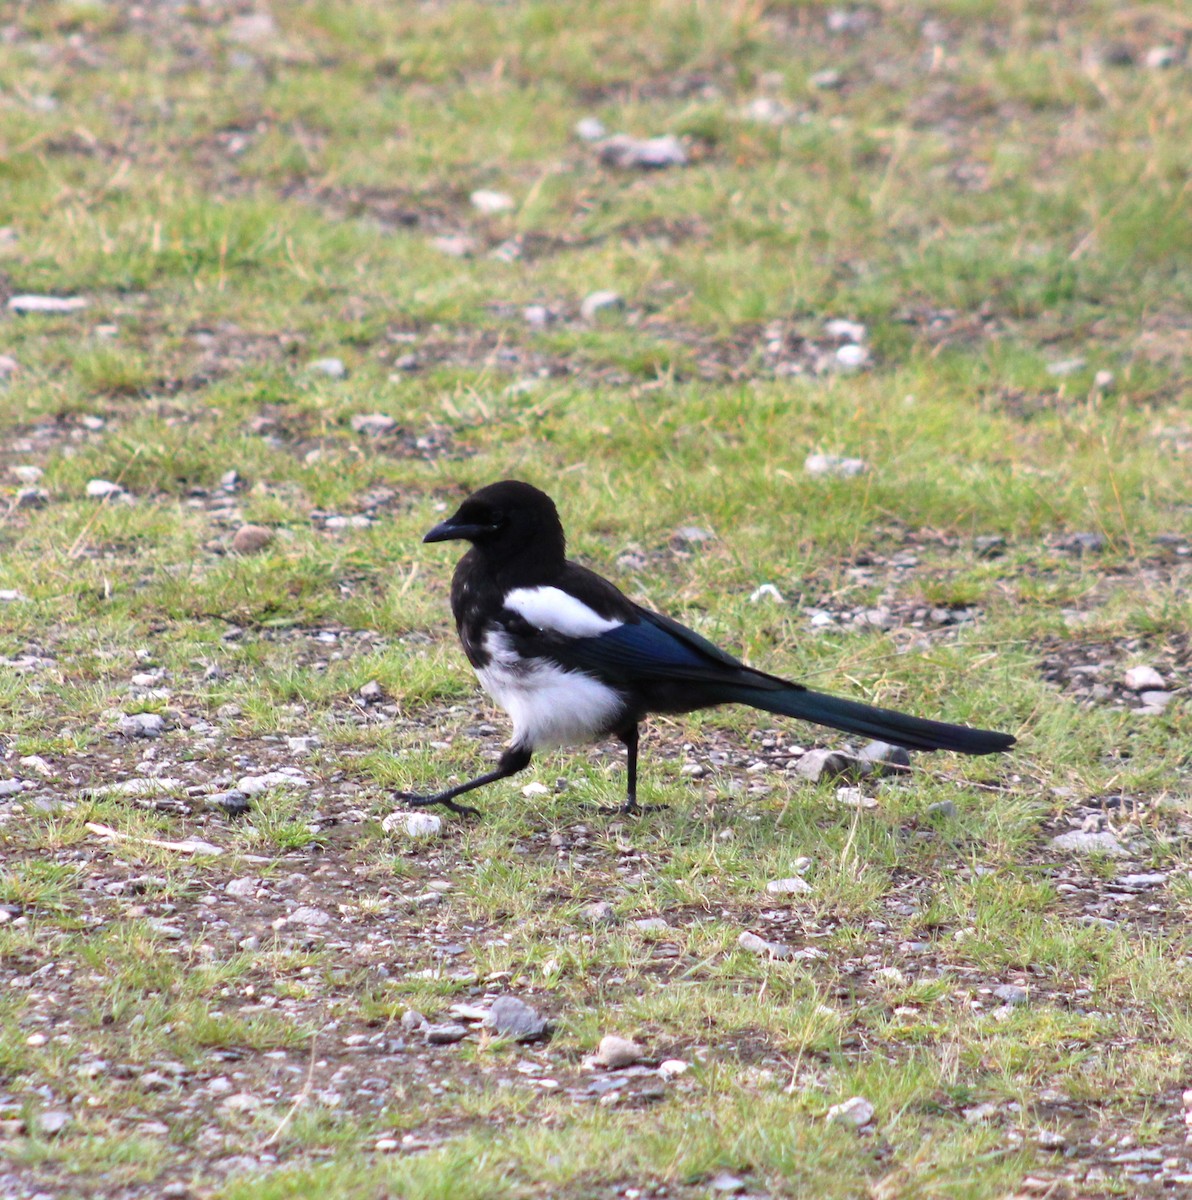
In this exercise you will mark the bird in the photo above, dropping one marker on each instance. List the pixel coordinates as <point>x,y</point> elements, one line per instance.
<point>573,660</point>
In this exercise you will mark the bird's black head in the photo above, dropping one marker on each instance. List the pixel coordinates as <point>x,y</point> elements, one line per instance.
<point>506,520</point>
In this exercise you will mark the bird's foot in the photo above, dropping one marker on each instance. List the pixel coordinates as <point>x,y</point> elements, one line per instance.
<point>416,801</point>
<point>630,808</point>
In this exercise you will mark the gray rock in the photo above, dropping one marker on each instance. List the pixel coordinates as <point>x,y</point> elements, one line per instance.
<point>1067,366</point>
<point>991,545</point>
<point>32,497</point>
<point>445,1034</point>
<point>26,472</point>
<point>856,1112</point>
<point>242,888</point>
<point>834,464</point>
<point>373,424</point>
<point>455,245</point>
<point>590,129</point>
<point>1080,842</point>
<point>251,539</point>
<point>286,777</point>
<point>1051,1139</point>
<point>99,489</point>
<point>945,809</point>
<point>1103,381</point>
<point>854,797</point>
<point>1138,883</point>
<point>333,368</point>
<point>827,80</point>
<point>230,480</point>
<point>1160,58</point>
<point>851,357</point>
<point>145,725</point>
<point>537,316</point>
<point>233,802</point>
<point>312,918</point>
<point>651,925</point>
<point>490,202</point>
<point>510,1017</point>
<point>1010,993</point>
<point>1084,543</point>
<point>726,1183</point>
<point>372,692</point>
<point>46,304</point>
<point>11,787</point>
<point>1143,679</point>
<point>596,303</point>
<point>845,331</point>
<point>600,912</point>
<point>883,759</point>
<point>1159,700</point>
<point>767,110</point>
<point>818,765</point>
<point>617,1052</point>
<point>12,596</point>
<point>646,154</point>
<point>792,886</point>
<point>412,1020</point>
<point>687,537</point>
<point>52,1122</point>
<point>759,945</point>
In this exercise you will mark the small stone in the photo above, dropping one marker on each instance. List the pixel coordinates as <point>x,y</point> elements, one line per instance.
<point>1066,366</point>
<point>419,825</point>
<point>1011,993</point>
<point>834,464</point>
<point>851,357</point>
<point>945,809</point>
<point>510,1017</point>
<point>854,797</point>
<point>672,1068</point>
<point>883,759</point>
<point>251,539</point>
<point>252,28</point>
<point>787,887</point>
<point>1138,883</point>
<point>313,918</point>
<point>230,481</point>
<point>444,1035</point>
<point>1103,381</point>
<point>1080,842</point>
<point>767,110</point>
<point>286,777</point>
<point>372,692</point>
<point>845,331</point>
<point>27,473</point>
<point>537,316</point>
<point>759,945</point>
<point>979,1113</point>
<point>333,368</point>
<point>145,725</point>
<point>46,304</point>
<point>616,1052</point>
<point>1161,58</point>
<point>142,787</point>
<point>412,1020</point>
<point>355,521</point>
<point>827,80</point>
<point>372,424</point>
<point>1084,543</point>
<point>600,912</point>
<point>304,744</point>
<point>32,497</point>
<point>989,546</point>
<point>856,1112</point>
<point>99,489</point>
<point>1159,700</point>
<point>766,591</point>
<point>535,789</point>
<point>596,303</point>
<point>1051,1139</point>
<point>491,202</point>
<point>687,537</point>
<point>52,1122</point>
<point>890,976</point>
<point>11,596</point>
<point>651,925</point>
<point>590,129</point>
<point>242,888</point>
<point>240,1102</point>
<point>726,1183</point>
<point>818,765</point>
<point>10,788</point>
<point>646,154</point>
<point>1143,679</point>
<point>457,245</point>
<point>233,802</point>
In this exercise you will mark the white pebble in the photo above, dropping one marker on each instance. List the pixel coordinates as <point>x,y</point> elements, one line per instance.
<point>786,887</point>
<point>834,464</point>
<point>1143,679</point>
<point>414,824</point>
<point>531,790</point>
<point>491,202</point>
<point>850,356</point>
<point>766,591</point>
<point>97,489</point>
<point>856,1112</point>
<point>615,1052</point>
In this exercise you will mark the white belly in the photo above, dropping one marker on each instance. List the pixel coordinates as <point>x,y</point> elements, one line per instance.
<point>548,706</point>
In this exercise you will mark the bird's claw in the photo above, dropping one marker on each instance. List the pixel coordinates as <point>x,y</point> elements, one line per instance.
<point>416,801</point>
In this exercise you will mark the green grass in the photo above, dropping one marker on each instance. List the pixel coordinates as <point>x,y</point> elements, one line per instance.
<point>991,193</point>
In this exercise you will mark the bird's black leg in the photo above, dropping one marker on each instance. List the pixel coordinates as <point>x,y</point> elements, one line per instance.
<point>630,737</point>
<point>515,759</point>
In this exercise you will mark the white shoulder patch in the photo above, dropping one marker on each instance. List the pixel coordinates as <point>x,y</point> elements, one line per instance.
<point>555,611</point>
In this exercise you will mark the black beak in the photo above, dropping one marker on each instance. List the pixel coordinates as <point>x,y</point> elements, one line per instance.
<point>454,529</point>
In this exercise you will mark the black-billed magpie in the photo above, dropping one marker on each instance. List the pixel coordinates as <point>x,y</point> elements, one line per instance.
<point>572,660</point>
